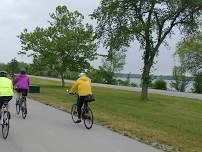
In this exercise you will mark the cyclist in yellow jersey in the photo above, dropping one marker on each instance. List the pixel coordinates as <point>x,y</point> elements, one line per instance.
<point>83,86</point>
<point>6,90</point>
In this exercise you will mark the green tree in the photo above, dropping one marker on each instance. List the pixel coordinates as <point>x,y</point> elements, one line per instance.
<point>180,80</point>
<point>120,22</point>
<point>13,67</point>
<point>190,53</point>
<point>113,63</point>
<point>3,66</point>
<point>67,44</point>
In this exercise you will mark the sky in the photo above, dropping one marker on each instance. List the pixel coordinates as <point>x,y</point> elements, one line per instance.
<point>16,15</point>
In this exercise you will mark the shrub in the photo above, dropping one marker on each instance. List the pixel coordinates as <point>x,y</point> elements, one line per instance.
<point>160,84</point>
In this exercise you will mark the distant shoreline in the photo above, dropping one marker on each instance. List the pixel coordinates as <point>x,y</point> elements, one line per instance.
<point>125,75</point>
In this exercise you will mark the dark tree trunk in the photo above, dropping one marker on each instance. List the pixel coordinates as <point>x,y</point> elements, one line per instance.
<point>145,82</point>
<point>62,79</point>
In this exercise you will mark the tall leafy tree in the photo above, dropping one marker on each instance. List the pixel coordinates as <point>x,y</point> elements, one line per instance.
<point>150,22</point>
<point>190,53</point>
<point>66,44</point>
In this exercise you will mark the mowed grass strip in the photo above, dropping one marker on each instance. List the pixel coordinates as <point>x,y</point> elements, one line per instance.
<point>162,120</point>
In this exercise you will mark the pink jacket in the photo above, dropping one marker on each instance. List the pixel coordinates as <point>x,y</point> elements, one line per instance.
<point>21,81</point>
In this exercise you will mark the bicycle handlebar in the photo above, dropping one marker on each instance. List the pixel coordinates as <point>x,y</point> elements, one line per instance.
<point>72,93</point>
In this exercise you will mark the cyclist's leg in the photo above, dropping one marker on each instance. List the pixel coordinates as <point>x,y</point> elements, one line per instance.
<point>8,99</point>
<point>80,102</point>
<point>18,95</point>
<point>24,93</point>
<point>79,105</point>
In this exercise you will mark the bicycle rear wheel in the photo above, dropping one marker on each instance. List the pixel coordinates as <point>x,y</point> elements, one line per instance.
<point>74,113</point>
<point>24,109</point>
<point>5,125</point>
<point>88,118</point>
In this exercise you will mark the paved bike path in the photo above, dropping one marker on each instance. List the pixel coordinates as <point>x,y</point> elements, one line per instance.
<point>47,129</point>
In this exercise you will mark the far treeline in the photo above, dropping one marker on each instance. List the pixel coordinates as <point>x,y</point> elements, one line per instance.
<point>68,44</point>
<point>102,76</point>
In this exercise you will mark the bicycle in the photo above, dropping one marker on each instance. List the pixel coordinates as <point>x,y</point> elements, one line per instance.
<point>4,121</point>
<point>86,114</point>
<point>21,106</point>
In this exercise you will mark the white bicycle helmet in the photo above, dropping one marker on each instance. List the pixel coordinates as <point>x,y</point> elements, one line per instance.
<point>82,74</point>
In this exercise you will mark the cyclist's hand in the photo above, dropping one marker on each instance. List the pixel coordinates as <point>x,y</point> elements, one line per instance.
<point>67,91</point>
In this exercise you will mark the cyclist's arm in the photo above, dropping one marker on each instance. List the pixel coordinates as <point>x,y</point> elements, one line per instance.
<point>74,88</point>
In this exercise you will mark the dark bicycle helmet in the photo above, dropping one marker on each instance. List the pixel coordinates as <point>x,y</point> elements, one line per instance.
<point>23,71</point>
<point>3,74</point>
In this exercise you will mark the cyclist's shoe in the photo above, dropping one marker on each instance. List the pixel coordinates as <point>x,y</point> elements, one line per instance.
<point>78,121</point>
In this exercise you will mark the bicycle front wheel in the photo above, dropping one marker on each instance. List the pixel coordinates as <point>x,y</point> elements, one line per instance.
<point>5,125</point>
<point>74,113</point>
<point>88,118</point>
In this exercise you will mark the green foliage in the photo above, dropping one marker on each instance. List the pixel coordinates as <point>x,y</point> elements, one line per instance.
<point>13,67</point>
<point>198,83</point>
<point>3,67</point>
<point>122,82</point>
<point>180,80</point>
<point>120,22</point>
<point>190,53</point>
<point>151,79</point>
<point>159,84</point>
<point>114,62</point>
<point>66,44</point>
<point>101,76</point>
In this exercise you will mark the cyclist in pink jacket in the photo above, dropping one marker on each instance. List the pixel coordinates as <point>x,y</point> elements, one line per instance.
<point>22,83</point>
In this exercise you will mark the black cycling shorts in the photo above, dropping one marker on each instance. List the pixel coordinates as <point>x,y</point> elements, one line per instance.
<point>5,99</point>
<point>23,91</point>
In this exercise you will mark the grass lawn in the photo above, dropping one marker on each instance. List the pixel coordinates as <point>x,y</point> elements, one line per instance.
<point>163,120</point>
